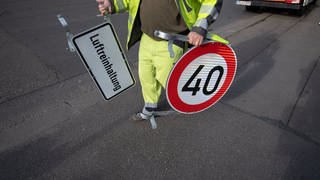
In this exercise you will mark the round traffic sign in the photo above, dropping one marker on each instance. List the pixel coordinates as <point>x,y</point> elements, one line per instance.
<point>201,77</point>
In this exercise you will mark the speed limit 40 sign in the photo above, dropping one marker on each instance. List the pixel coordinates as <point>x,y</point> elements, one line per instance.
<point>201,77</point>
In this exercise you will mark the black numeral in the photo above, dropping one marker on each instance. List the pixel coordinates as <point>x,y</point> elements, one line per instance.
<point>196,88</point>
<point>205,90</point>
<point>205,87</point>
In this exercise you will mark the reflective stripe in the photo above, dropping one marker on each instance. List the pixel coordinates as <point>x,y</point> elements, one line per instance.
<point>203,23</point>
<point>183,14</point>
<point>207,13</point>
<point>116,5</point>
<point>188,8</point>
<point>146,112</point>
<point>130,19</point>
<point>150,105</point>
<point>120,6</point>
<point>206,9</point>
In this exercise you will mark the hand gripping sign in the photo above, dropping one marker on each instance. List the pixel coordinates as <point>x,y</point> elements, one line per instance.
<point>102,55</point>
<point>201,76</point>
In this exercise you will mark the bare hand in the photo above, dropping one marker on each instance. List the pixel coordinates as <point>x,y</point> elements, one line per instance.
<point>104,6</point>
<point>195,38</point>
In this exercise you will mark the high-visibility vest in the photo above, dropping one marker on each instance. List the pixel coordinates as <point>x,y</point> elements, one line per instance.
<point>195,13</point>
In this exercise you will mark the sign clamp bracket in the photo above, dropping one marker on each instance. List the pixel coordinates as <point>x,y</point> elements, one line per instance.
<point>69,35</point>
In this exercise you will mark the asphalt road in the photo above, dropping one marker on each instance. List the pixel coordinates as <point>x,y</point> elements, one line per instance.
<point>54,123</point>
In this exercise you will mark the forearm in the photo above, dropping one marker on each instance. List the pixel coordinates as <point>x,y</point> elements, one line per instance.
<point>208,13</point>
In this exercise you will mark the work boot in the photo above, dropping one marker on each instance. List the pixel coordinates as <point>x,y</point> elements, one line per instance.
<point>140,116</point>
<point>146,113</point>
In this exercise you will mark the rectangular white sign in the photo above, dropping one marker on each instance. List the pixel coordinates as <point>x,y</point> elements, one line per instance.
<point>101,52</point>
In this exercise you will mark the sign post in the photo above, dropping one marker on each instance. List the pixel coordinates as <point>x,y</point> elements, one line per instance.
<point>201,77</point>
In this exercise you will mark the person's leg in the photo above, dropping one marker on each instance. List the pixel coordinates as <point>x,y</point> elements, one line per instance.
<point>163,63</point>
<point>151,89</point>
<point>154,67</point>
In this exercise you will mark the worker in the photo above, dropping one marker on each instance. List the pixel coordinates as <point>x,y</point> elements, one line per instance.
<point>186,17</point>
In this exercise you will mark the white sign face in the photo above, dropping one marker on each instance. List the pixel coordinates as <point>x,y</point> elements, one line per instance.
<point>100,50</point>
<point>209,83</point>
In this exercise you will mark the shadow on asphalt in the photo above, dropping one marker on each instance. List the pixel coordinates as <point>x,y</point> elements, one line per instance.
<point>254,68</point>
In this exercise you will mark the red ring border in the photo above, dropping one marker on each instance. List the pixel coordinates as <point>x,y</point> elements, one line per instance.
<point>172,86</point>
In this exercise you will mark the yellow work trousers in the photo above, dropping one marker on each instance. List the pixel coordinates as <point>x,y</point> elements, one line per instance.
<point>155,65</point>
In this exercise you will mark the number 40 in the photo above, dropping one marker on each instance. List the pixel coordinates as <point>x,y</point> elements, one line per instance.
<point>205,90</point>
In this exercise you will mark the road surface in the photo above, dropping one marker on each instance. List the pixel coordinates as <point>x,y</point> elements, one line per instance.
<point>54,123</point>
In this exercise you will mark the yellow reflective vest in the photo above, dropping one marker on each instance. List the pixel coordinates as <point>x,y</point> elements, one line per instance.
<point>197,14</point>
